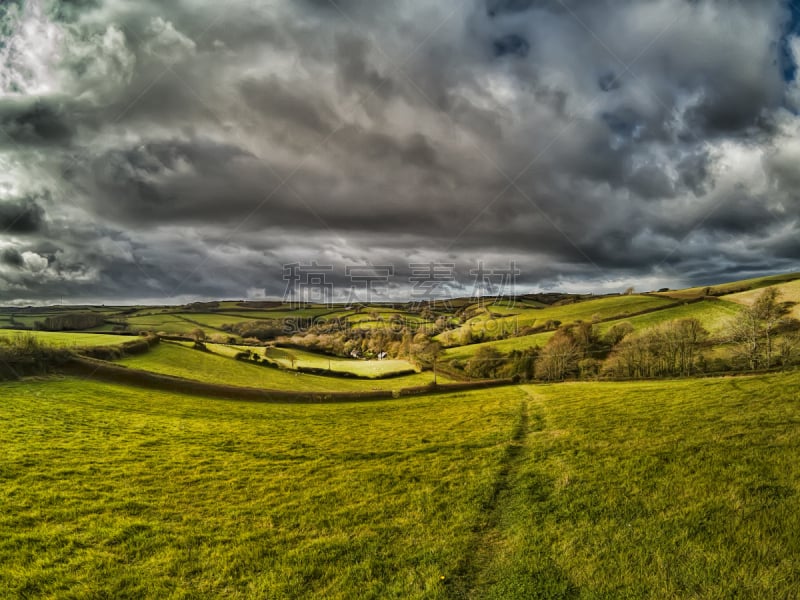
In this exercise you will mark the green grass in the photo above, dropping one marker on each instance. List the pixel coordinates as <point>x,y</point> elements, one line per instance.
<point>111,492</point>
<point>212,321</point>
<point>601,308</point>
<point>180,361</point>
<point>167,323</point>
<point>669,489</point>
<point>714,315</point>
<point>733,286</point>
<point>70,339</point>
<point>682,489</point>
<point>788,292</point>
<point>294,358</point>
<point>506,346</point>
<point>29,320</point>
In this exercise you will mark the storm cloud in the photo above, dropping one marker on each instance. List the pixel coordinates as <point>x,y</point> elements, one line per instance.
<point>187,150</point>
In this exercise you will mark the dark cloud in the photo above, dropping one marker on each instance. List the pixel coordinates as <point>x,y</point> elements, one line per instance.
<point>190,149</point>
<point>499,7</point>
<point>11,257</point>
<point>36,122</point>
<point>274,102</point>
<point>511,44</point>
<point>21,216</point>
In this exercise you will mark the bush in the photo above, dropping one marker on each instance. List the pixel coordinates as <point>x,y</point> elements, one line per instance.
<point>25,354</point>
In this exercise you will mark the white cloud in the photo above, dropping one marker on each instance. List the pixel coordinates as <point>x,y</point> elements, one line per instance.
<point>30,55</point>
<point>34,262</point>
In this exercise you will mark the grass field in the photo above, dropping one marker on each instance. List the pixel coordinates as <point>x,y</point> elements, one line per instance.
<point>714,315</point>
<point>69,339</point>
<point>180,361</point>
<point>294,358</point>
<point>111,492</point>
<point>789,292</point>
<point>670,489</point>
<point>733,287</point>
<point>522,342</point>
<point>587,310</point>
<point>683,489</point>
<point>167,323</point>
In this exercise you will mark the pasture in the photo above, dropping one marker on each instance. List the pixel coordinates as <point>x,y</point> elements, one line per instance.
<point>181,361</point>
<point>669,489</point>
<point>292,358</point>
<point>586,310</point>
<point>788,292</point>
<point>69,339</point>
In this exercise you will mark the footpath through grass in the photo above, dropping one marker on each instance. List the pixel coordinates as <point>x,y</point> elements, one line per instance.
<point>682,489</point>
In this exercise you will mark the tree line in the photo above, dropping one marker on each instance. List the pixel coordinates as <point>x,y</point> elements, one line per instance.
<point>761,336</point>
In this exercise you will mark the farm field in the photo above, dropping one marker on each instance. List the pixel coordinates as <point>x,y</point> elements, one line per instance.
<point>506,346</point>
<point>732,287</point>
<point>587,310</point>
<point>294,358</point>
<point>180,361</point>
<point>111,492</point>
<point>714,315</point>
<point>669,489</point>
<point>788,292</point>
<point>167,323</point>
<point>70,339</point>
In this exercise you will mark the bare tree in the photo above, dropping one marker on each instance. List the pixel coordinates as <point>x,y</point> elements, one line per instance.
<point>672,348</point>
<point>559,358</point>
<point>753,330</point>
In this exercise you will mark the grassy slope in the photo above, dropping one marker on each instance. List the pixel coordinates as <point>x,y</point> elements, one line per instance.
<point>789,292</point>
<point>713,314</point>
<point>112,492</point>
<point>516,343</point>
<point>168,323</point>
<point>602,308</point>
<point>180,361</point>
<point>747,284</point>
<point>687,489</point>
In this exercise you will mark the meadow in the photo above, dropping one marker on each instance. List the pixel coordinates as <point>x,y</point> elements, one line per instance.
<point>111,492</point>
<point>294,359</point>
<point>510,322</point>
<point>787,292</point>
<point>732,287</point>
<point>181,361</point>
<point>714,315</point>
<point>69,339</point>
<point>670,489</point>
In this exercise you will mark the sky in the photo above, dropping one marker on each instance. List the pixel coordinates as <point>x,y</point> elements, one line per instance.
<point>188,150</point>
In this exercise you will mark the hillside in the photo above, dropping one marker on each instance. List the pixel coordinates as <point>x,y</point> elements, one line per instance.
<point>180,361</point>
<point>788,292</point>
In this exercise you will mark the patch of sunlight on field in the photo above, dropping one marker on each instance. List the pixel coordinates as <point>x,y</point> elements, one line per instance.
<point>789,292</point>
<point>294,358</point>
<point>69,339</point>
